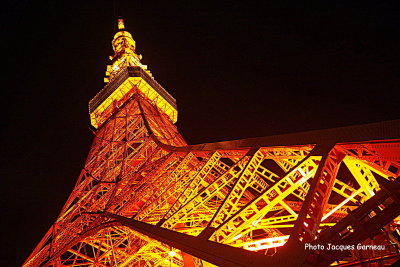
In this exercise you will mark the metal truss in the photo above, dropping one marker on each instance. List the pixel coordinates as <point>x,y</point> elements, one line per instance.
<point>256,198</point>
<point>146,198</point>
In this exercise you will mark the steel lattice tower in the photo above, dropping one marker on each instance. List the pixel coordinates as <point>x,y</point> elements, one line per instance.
<point>146,198</point>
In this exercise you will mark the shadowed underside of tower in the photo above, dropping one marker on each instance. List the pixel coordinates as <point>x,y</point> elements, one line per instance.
<point>146,198</point>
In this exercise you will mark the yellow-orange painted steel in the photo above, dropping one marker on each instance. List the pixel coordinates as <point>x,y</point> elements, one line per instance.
<point>251,197</point>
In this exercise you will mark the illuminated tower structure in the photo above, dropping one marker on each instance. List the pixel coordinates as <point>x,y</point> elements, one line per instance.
<point>146,198</point>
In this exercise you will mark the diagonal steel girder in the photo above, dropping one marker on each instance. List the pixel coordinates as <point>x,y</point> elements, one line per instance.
<point>224,255</point>
<point>215,253</point>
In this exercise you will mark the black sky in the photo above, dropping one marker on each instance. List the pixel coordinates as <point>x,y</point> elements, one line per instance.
<point>256,68</point>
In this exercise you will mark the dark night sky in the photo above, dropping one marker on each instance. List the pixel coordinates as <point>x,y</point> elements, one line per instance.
<point>237,70</point>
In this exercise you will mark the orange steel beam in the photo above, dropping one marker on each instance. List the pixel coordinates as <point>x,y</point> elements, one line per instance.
<point>215,253</point>
<point>364,222</point>
<point>213,201</point>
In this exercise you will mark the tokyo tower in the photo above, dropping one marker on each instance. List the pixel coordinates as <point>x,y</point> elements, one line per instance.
<point>146,198</point>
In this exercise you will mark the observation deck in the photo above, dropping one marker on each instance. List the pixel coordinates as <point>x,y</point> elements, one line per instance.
<point>100,107</point>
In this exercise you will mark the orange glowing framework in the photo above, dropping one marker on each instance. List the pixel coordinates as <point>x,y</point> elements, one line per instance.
<point>146,198</point>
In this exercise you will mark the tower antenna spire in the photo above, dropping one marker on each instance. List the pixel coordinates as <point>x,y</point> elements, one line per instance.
<point>121,25</point>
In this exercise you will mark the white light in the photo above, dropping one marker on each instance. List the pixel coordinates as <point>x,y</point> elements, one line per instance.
<point>172,253</point>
